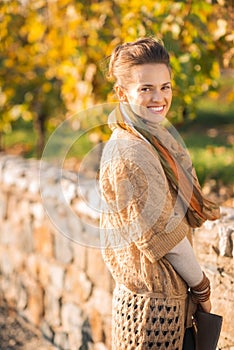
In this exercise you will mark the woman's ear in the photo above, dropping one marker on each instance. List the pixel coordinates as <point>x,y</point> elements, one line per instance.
<point>121,93</point>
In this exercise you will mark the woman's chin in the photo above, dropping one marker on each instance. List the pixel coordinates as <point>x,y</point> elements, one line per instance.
<point>152,117</point>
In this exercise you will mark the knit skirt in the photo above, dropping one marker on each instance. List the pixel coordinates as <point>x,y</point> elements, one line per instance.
<point>144,323</point>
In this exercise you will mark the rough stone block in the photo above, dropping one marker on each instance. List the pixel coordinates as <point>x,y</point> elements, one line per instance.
<point>58,213</point>
<point>96,324</point>
<point>77,283</point>
<point>6,287</point>
<point>90,237</point>
<point>82,207</point>
<point>22,297</point>
<point>75,340</point>
<point>47,331</point>
<point>97,270</point>
<point>61,340</point>
<point>80,256</point>
<point>23,207</point>
<point>3,206</point>
<point>57,274</point>
<point>10,289</point>
<point>25,239</point>
<point>43,271</point>
<point>34,184</point>
<point>43,241</point>
<point>107,328</point>
<point>6,265</point>
<point>75,226</point>
<point>37,211</point>
<point>35,304</point>
<point>225,243</point>
<point>52,307</point>
<point>72,317</point>
<point>7,238</point>
<point>32,265</point>
<point>13,210</point>
<point>68,189</point>
<point>223,291</point>
<point>101,301</point>
<point>226,309</point>
<point>99,346</point>
<point>63,249</point>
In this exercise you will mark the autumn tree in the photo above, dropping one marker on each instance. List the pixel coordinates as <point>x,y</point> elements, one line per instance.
<point>53,53</point>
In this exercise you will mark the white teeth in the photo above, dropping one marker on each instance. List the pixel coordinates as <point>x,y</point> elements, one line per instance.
<point>157,109</point>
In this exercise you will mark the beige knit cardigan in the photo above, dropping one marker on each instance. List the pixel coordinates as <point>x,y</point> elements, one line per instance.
<point>142,219</point>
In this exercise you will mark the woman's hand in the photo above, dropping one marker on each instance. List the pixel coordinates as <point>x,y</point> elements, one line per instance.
<point>206,305</point>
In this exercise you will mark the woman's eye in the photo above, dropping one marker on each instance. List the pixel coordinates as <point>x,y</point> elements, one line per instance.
<point>146,89</point>
<point>167,87</point>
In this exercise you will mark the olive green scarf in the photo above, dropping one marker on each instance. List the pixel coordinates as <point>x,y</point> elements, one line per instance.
<point>175,162</point>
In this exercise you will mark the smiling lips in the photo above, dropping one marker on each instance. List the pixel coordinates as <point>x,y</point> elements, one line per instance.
<point>156,109</point>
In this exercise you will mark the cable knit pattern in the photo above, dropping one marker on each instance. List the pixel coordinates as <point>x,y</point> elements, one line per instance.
<point>141,221</point>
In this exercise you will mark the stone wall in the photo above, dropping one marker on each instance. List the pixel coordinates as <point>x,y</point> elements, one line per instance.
<point>51,267</point>
<point>214,248</point>
<point>58,282</point>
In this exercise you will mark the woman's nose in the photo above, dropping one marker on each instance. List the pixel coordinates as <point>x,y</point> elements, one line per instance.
<point>157,96</point>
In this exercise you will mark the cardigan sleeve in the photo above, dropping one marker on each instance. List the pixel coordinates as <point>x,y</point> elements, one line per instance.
<point>139,203</point>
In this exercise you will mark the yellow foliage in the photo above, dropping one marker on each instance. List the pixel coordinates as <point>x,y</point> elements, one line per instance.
<point>27,115</point>
<point>213,94</point>
<point>64,3</point>
<point>38,4</point>
<point>187,99</point>
<point>9,63</point>
<point>68,47</point>
<point>36,31</point>
<point>3,98</point>
<point>215,71</point>
<point>59,44</point>
<point>46,87</point>
<point>230,96</point>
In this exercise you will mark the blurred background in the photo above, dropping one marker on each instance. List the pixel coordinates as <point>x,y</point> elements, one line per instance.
<point>54,56</point>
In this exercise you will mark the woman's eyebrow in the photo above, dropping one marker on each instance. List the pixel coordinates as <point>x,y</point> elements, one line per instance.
<point>145,84</point>
<point>149,85</point>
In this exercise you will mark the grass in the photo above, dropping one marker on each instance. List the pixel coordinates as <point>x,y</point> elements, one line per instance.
<point>21,140</point>
<point>213,162</point>
<point>209,138</point>
<point>210,141</point>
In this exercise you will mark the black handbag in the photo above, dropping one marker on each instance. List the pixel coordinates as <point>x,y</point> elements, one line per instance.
<point>204,335</point>
<point>207,330</point>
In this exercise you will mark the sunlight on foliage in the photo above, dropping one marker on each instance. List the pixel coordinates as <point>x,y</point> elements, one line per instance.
<point>57,49</point>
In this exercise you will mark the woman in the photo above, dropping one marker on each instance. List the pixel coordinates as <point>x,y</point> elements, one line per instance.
<point>152,200</point>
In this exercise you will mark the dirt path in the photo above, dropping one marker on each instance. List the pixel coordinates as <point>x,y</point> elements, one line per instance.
<point>17,334</point>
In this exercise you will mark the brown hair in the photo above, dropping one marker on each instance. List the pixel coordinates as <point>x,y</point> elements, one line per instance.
<point>141,51</point>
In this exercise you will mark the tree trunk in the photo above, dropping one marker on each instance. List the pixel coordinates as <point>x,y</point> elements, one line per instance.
<point>1,142</point>
<point>39,125</point>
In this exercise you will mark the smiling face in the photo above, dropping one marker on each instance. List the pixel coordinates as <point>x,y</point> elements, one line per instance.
<point>149,92</point>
